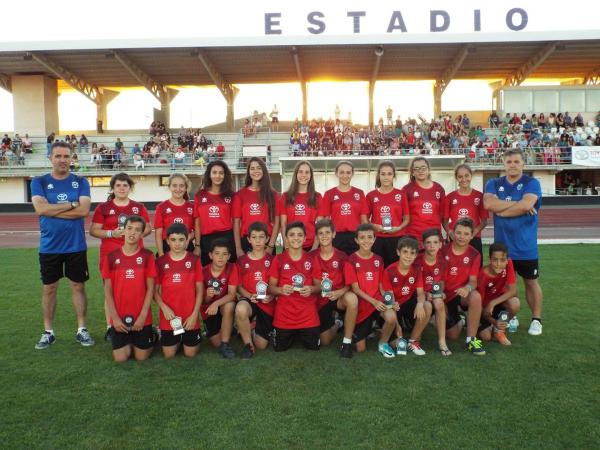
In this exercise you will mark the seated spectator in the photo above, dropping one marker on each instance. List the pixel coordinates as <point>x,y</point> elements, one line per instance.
<point>220,150</point>
<point>568,120</point>
<point>27,144</point>
<point>542,121</point>
<point>83,143</point>
<point>95,157</point>
<point>17,142</point>
<point>579,122</point>
<point>9,156</point>
<point>138,160</point>
<point>136,149</point>
<point>6,142</point>
<point>21,156</point>
<point>74,142</point>
<point>178,158</point>
<point>74,164</point>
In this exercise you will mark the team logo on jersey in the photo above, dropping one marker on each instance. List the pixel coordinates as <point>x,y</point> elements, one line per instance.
<point>139,260</point>
<point>335,264</point>
<point>135,210</point>
<point>436,271</point>
<point>454,201</point>
<point>477,201</point>
<point>176,278</point>
<point>437,195</point>
<point>227,199</point>
<point>130,274</point>
<point>453,270</point>
<point>519,186</point>
<point>376,263</point>
<point>398,197</point>
<point>286,266</point>
<point>336,197</point>
<point>188,264</point>
<point>75,185</point>
<point>50,186</point>
<point>168,211</point>
<point>167,266</point>
<point>62,197</point>
<point>267,263</point>
<point>300,209</point>
<point>356,196</point>
<point>375,199</point>
<point>463,212</point>
<point>213,211</point>
<point>254,209</point>
<point>369,276</point>
<point>178,220</point>
<point>416,195</point>
<point>411,280</point>
<point>501,189</point>
<point>346,209</point>
<point>190,211</point>
<point>246,266</point>
<point>405,290</point>
<point>307,265</point>
<point>466,260</point>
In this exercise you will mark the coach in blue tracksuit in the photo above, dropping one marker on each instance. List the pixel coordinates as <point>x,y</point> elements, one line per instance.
<point>515,200</point>
<point>62,201</point>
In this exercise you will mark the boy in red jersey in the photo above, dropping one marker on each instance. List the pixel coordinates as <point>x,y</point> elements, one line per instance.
<point>221,279</point>
<point>405,280</point>
<point>291,279</point>
<point>178,293</point>
<point>329,262</point>
<point>498,289</point>
<point>254,269</point>
<point>128,289</point>
<point>364,272</point>
<point>433,267</point>
<point>460,283</point>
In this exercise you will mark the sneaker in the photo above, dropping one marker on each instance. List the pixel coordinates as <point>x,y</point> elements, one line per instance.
<point>226,350</point>
<point>385,349</point>
<point>247,352</point>
<point>500,336</point>
<point>535,329</point>
<point>84,338</point>
<point>346,351</point>
<point>108,335</point>
<point>401,347</point>
<point>475,346</point>
<point>45,341</point>
<point>415,347</point>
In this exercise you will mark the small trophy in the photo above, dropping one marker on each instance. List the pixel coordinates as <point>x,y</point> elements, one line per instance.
<point>122,220</point>
<point>177,326</point>
<point>261,290</point>
<point>503,316</point>
<point>388,299</point>
<point>298,281</point>
<point>436,290</point>
<point>386,222</point>
<point>128,320</point>
<point>215,284</point>
<point>326,286</point>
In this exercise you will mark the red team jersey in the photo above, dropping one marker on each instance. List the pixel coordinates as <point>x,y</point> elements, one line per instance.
<point>248,208</point>
<point>344,208</point>
<point>425,208</point>
<point>302,212</point>
<point>178,282</point>
<point>167,214</point>
<point>333,269</point>
<point>294,311</point>
<point>128,275</point>
<point>251,272</point>
<point>214,212</point>
<point>368,273</point>
<point>493,286</point>
<point>112,217</point>
<point>457,206</point>
<point>393,204</point>
<point>459,268</point>
<point>403,286</point>
<point>431,273</point>
<point>228,277</point>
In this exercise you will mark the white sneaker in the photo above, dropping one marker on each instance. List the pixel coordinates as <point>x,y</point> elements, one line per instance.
<point>535,329</point>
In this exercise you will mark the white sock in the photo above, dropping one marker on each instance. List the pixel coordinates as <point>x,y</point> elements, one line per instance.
<point>347,340</point>
<point>468,339</point>
<point>80,328</point>
<point>49,332</point>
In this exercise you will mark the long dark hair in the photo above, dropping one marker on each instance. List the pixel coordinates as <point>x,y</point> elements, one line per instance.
<point>290,195</point>
<point>384,163</point>
<point>412,164</point>
<point>122,176</point>
<point>266,194</point>
<point>226,187</point>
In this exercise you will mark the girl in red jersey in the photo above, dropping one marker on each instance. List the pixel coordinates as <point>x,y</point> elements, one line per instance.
<point>424,197</point>
<point>300,202</point>
<point>108,222</point>
<point>346,206</point>
<point>213,205</point>
<point>177,209</point>
<point>465,202</point>
<point>257,201</point>
<point>388,211</point>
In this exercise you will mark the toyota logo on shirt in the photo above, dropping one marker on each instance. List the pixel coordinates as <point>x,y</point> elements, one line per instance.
<point>176,278</point>
<point>463,212</point>
<point>405,290</point>
<point>369,276</point>
<point>429,279</point>
<point>346,209</point>
<point>178,220</point>
<point>254,209</point>
<point>62,197</point>
<point>213,211</point>
<point>427,208</point>
<point>130,274</point>
<point>385,209</point>
<point>300,209</point>
<point>258,276</point>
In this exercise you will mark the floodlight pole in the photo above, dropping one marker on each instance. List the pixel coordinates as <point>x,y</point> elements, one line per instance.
<point>378,54</point>
<point>303,86</point>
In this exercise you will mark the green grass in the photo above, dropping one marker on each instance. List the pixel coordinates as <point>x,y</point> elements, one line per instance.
<point>541,392</point>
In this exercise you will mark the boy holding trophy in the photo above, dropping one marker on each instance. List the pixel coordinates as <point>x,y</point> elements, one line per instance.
<point>497,286</point>
<point>404,279</point>
<point>129,274</point>
<point>221,281</point>
<point>178,293</point>
<point>254,301</point>
<point>335,293</point>
<point>291,279</point>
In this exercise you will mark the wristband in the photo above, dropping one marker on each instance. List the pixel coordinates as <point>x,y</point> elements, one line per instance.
<point>108,233</point>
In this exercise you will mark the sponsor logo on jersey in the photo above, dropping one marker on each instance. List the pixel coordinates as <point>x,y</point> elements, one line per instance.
<point>258,276</point>
<point>62,197</point>
<point>463,212</point>
<point>300,209</point>
<point>254,209</point>
<point>346,209</point>
<point>427,208</point>
<point>428,279</point>
<point>130,274</point>
<point>369,276</point>
<point>385,210</point>
<point>178,220</point>
<point>213,211</point>
<point>453,270</point>
<point>176,278</point>
<point>405,290</point>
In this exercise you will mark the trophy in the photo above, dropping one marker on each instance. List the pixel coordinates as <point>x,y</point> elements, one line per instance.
<point>177,326</point>
<point>122,220</point>
<point>436,290</point>
<point>128,320</point>
<point>261,290</point>
<point>298,281</point>
<point>386,222</point>
<point>503,316</point>
<point>388,299</point>
<point>215,284</point>
<point>326,286</point>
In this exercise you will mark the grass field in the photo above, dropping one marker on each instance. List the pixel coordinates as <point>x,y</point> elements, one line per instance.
<point>541,392</point>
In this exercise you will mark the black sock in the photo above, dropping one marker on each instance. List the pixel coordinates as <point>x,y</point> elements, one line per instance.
<point>536,318</point>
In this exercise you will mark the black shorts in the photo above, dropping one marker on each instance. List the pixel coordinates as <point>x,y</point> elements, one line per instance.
<point>344,241</point>
<point>495,313</point>
<point>206,239</point>
<point>54,266</point>
<point>264,322</point>
<point>478,245</point>
<point>213,324</point>
<point>527,268</point>
<point>326,318</point>
<point>365,328</point>
<point>189,338</point>
<point>453,309</point>
<point>284,338</point>
<point>406,315</point>
<point>386,248</point>
<point>141,339</point>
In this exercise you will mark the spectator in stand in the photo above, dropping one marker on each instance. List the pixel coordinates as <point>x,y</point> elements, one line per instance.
<point>211,153</point>
<point>6,142</point>
<point>74,142</point>
<point>220,150</point>
<point>389,114</point>
<point>542,121</point>
<point>17,142</point>
<point>579,122</point>
<point>138,161</point>
<point>275,118</point>
<point>135,149</point>
<point>27,144</point>
<point>95,157</point>
<point>178,159</point>
<point>83,143</point>
<point>21,156</point>
<point>568,120</point>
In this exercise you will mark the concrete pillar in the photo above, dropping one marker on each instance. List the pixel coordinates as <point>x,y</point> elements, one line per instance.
<point>371,106</point>
<point>437,101</point>
<point>304,102</point>
<point>35,104</point>
<point>230,121</point>
<point>101,107</point>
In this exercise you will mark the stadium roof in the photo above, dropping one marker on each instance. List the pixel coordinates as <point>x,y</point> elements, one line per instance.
<point>272,64</point>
